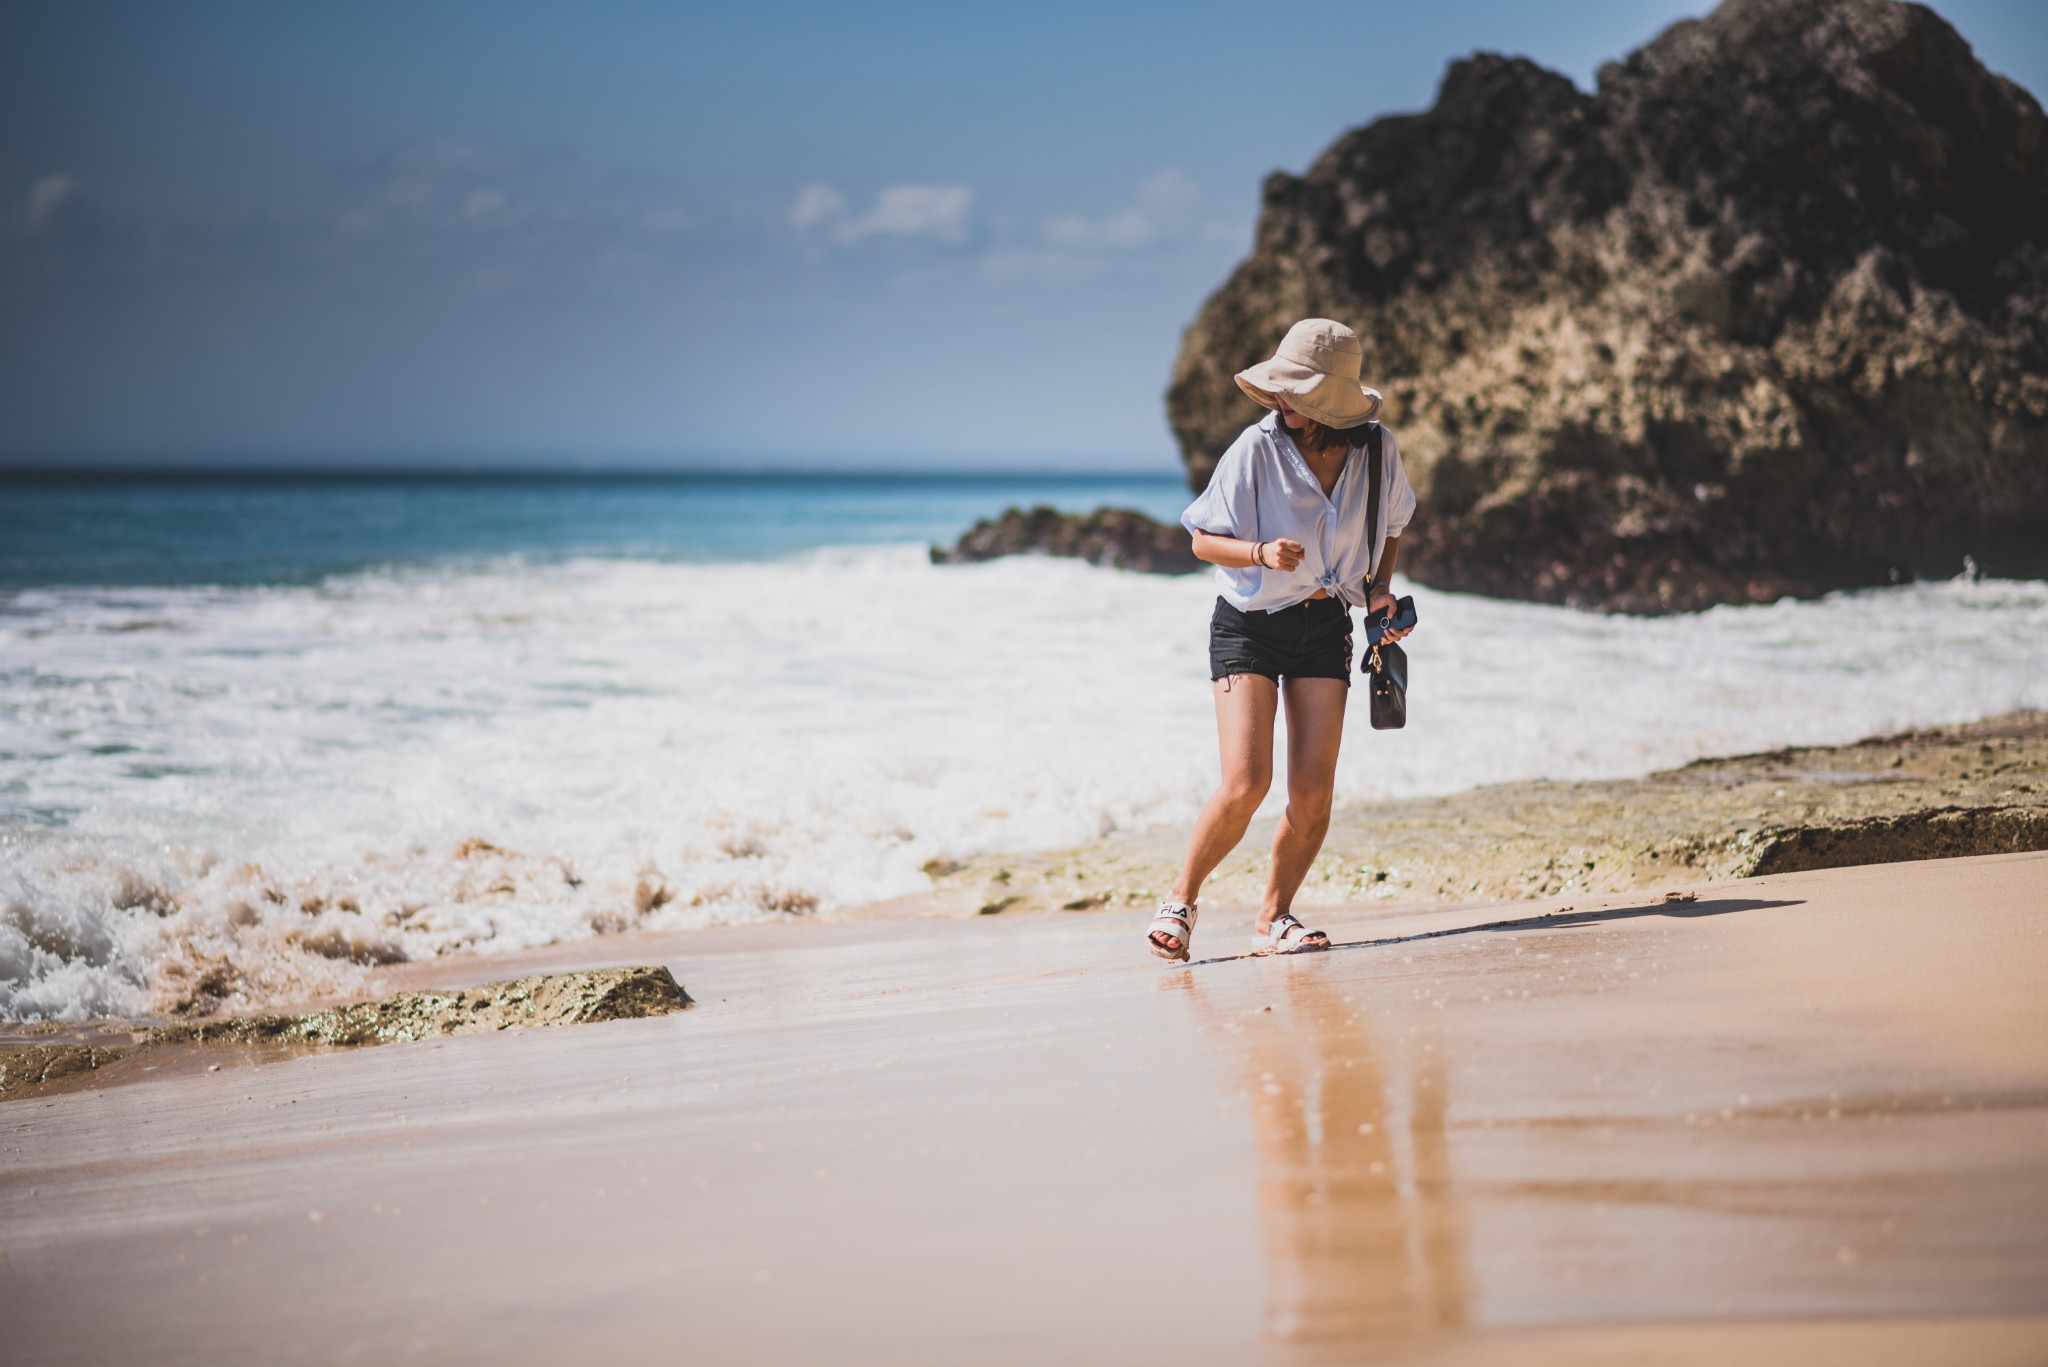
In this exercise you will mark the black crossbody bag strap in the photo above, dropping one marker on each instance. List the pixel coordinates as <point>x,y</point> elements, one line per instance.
<point>1385,666</point>
<point>1373,466</point>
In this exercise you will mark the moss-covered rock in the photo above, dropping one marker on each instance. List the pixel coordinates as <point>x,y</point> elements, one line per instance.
<point>556,999</point>
<point>29,1067</point>
<point>599,994</point>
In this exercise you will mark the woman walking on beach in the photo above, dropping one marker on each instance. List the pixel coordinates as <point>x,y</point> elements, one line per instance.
<point>1284,521</point>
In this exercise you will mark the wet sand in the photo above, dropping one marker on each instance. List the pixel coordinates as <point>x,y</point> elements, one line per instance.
<point>1803,1118</point>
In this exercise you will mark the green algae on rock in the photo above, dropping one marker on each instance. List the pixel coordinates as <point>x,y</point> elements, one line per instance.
<point>598,994</point>
<point>36,1064</point>
<point>555,999</point>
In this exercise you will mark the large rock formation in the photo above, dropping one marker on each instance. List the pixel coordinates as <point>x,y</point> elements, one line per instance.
<point>1768,313</point>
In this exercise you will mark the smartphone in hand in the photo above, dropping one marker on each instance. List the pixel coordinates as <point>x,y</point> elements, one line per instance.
<point>1377,625</point>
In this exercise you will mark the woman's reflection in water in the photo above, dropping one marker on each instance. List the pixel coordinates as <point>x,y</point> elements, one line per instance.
<point>1363,1244</point>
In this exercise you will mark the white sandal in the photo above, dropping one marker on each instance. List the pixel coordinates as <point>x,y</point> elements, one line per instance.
<point>1178,920</point>
<point>1289,935</point>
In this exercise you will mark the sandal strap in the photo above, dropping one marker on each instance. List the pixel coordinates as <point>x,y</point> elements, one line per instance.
<point>1175,911</point>
<point>1286,929</point>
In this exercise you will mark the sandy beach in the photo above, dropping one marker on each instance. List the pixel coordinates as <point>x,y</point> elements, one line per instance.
<point>601,677</point>
<point>1800,1118</point>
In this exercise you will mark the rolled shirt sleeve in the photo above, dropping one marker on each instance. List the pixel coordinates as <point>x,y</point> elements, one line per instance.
<point>1230,505</point>
<point>1399,495</point>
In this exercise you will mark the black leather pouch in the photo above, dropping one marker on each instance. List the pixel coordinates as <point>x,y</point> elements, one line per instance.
<point>1386,669</point>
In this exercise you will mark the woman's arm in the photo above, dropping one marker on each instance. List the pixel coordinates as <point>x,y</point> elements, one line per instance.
<point>1379,593</point>
<point>1381,584</point>
<point>1232,553</point>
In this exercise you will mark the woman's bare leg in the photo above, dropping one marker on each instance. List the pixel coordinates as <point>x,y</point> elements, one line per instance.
<point>1245,708</point>
<point>1315,729</point>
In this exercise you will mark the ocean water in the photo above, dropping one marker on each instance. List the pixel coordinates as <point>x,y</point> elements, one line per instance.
<point>226,528</point>
<point>312,727</point>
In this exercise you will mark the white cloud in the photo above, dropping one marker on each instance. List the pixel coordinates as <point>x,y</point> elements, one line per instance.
<point>816,204</point>
<point>48,197</point>
<point>1118,232</point>
<point>1170,199</point>
<point>1168,217</point>
<point>1165,206</point>
<point>447,184</point>
<point>938,211</point>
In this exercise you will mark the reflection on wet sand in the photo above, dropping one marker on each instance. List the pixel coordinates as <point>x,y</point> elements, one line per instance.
<point>1771,1110</point>
<point>1362,1228</point>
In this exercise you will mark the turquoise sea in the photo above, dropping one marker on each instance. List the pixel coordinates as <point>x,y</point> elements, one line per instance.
<point>264,527</point>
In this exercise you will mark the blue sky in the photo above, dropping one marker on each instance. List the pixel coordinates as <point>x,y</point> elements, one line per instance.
<point>653,234</point>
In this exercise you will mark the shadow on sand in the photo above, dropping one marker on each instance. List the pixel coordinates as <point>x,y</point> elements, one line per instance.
<point>1550,921</point>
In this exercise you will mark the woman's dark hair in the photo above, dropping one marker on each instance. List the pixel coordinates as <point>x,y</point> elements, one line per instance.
<point>1324,440</point>
<point>1321,438</point>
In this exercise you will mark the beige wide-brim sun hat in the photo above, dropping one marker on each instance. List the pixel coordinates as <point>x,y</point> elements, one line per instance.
<point>1316,370</point>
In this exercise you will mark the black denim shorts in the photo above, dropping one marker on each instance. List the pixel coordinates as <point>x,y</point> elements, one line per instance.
<point>1310,640</point>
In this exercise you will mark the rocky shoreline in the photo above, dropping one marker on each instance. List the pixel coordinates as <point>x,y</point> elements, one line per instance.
<point>1975,789</point>
<point>1114,538</point>
<point>43,1057</point>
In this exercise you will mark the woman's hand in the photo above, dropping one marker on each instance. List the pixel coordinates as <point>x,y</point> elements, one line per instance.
<point>1237,553</point>
<point>1282,555</point>
<point>1380,602</point>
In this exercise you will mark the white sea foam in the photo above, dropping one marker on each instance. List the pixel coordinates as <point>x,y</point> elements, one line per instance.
<point>241,794</point>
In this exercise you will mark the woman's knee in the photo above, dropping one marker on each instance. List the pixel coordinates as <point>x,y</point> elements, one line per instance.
<point>1246,789</point>
<point>1309,806</point>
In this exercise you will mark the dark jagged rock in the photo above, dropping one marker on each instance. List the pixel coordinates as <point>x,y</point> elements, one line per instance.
<point>1116,538</point>
<point>1767,313</point>
<point>1938,833</point>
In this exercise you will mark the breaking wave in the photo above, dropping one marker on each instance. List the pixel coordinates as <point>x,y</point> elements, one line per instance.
<point>227,796</point>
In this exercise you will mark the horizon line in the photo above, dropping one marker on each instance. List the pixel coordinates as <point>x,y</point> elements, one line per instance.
<point>11,469</point>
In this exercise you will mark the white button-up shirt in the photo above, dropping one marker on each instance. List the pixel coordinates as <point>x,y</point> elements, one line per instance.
<point>1263,490</point>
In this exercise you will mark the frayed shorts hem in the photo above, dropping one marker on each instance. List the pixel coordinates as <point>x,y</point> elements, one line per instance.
<point>1310,640</point>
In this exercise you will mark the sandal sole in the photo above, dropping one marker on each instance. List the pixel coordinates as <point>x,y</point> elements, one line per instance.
<point>1174,955</point>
